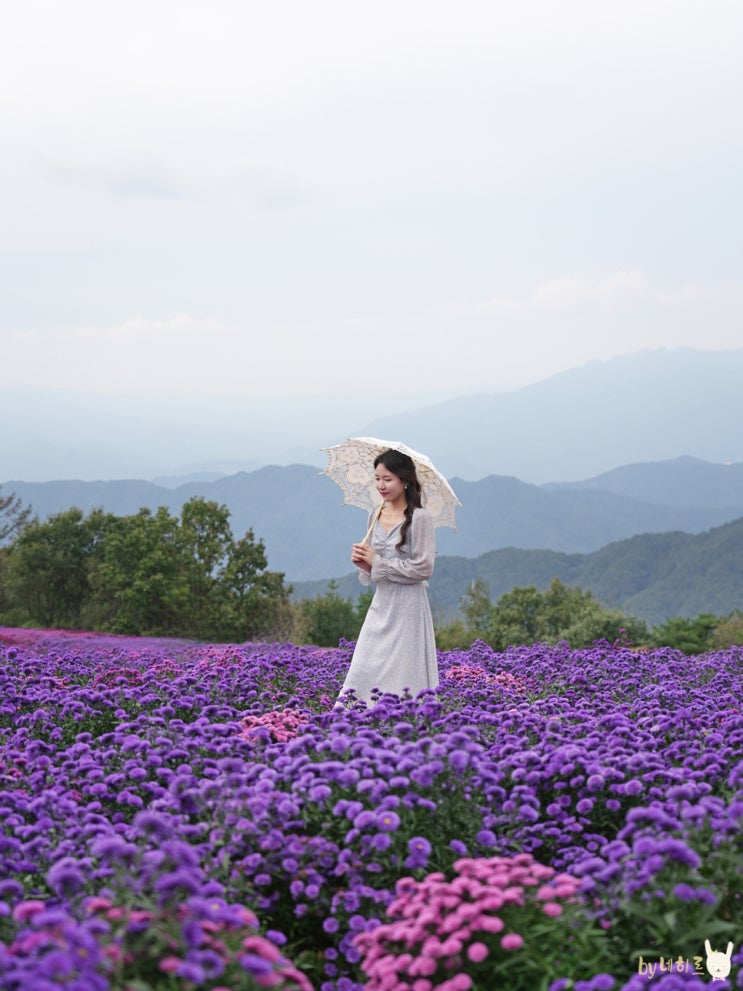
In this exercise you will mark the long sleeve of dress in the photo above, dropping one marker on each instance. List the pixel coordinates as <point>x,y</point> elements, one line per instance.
<point>419,566</point>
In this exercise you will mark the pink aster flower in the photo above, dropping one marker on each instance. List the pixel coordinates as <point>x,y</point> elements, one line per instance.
<point>170,965</point>
<point>97,903</point>
<point>512,941</point>
<point>26,910</point>
<point>460,982</point>
<point>552,909</point>
<point>477,952</point>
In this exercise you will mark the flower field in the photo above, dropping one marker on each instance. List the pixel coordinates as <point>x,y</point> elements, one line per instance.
<point>177,815</point>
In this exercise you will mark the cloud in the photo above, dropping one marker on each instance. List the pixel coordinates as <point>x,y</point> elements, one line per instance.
<point>501,343</point>
<point>423,196</point>
<point>264,184</point>
<point>609,294</point>
<point>270,185</point>
<point>140,179</point>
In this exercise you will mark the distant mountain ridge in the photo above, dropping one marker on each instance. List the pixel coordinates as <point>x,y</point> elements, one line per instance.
<point>647,406</point>
<point>298,513</point>
<point>681,482</point>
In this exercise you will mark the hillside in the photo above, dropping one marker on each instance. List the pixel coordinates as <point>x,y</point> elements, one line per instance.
<point>682,482</point>
<point>653,576</point>
<point>646,406</point>
<point>307,531</point>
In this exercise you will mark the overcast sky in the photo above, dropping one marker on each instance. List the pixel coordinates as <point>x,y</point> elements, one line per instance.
<point>372,198</point>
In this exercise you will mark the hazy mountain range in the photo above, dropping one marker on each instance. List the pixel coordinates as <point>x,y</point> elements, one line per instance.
<point>307,531</point>
<point>551,476</point>
<point>647,406</point>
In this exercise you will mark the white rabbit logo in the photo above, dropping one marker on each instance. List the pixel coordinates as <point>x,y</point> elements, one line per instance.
<point>718,963</point>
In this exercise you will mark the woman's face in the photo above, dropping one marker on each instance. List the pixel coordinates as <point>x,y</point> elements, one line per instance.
<point>389,486</point>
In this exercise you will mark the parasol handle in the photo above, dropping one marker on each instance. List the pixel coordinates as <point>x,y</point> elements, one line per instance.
<point>373,523</point>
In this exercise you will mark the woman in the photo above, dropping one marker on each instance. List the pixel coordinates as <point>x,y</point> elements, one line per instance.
<point>396,649</point>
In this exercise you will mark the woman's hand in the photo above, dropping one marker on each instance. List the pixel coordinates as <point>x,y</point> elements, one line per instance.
<point>362,556</point>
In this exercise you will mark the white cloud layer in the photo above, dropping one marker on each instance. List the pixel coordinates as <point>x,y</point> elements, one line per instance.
<point>363,198</point>
<point>500,344</point>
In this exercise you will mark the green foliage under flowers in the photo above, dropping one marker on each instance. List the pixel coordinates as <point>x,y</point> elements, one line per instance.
<point>676,889</point>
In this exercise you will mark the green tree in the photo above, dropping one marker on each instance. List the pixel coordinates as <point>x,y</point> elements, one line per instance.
<point>728,632</point>
<point>595,622</point>
<point>563,606</point>
<point>49,568</point>
<point>256,599</point>
<point>188,577</point>
<point>528,615</point>
<point>477,609</point>
<point>692,636</point>
<point>206,544</point>
<point>518,618</point>
<point>142,582</point>
<point>148,573</point>
<point>329,618</point>
<point>14,517</point>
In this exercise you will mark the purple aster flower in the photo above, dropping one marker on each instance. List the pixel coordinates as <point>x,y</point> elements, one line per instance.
<point>193,934</point>
<point>11,889</point>
<point>419,846</point>
<point>276,937</point>
<point>459,759</point>
<point>255,965</point>
<point>209,961</point>
<point>113,848</point>
<point>65,877</point>
<point>189,970</point>
<point>57,964</point>
<point>388,821</point>
<point>149,823</point>
<point>678,850</point>
<point>177,881</point>
<point>688,894</point>
<point>632,787</point>
<point>365,819</point>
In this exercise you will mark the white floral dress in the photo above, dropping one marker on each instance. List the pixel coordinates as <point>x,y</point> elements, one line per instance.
<point>396,648</point>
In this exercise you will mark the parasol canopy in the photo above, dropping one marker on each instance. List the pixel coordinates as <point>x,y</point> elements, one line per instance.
<point>351,465</point>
